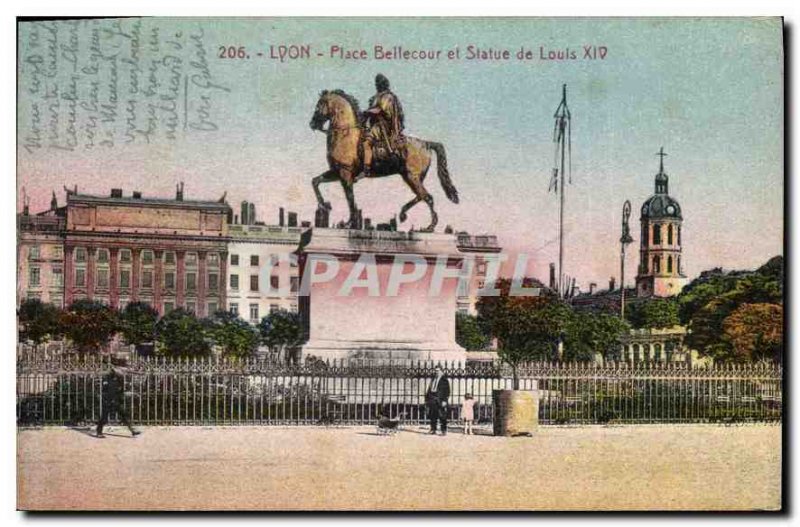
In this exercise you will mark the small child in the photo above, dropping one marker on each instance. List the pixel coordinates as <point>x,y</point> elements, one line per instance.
<point>468,413</point>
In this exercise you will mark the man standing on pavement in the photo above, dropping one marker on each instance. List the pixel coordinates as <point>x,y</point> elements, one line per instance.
<point>436,399</point>
<point>113,401</point>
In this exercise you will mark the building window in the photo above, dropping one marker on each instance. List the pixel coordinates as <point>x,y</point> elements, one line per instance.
<point>253,312</point>
<point>669,264</point>
<point>58,277</point>
<point>678,269</point>
<point>213,259</point>
<point>213,281</point>
<point>657,353</point>
<point>274,260</point>
<point>191,259</point>
<point>58,252</point>
<point>254,260</point>
<point>274,282</point>
<point>125,256</point>
<point>656,234</point>
<point>169,257</point>
<point>191,281</point>
<point>645,235</point>
<point>656,264</point>
<point>293,307</point>
<point>169,280</point>
<point>34,277</point>
<point>191,307</point>
<point>80,277</point>
<point>147,257</point>
<point>481,269</point>
<point>147,279</point>
<point>235,282</point>
<point>234,308</point>
<point>669,234</point>
<point>34,253</point>
<point>253,282</point>
<point>212,308</point>
<point>80,254</point>
<point>124,279</point>
<point>168,306</point>
<point>102,255</point>
<point>294,283</point>
<point>102,278</point>
<point>273,308</point>
<point>234,259</point>
<point>34,295</point>
<point>679,234</point>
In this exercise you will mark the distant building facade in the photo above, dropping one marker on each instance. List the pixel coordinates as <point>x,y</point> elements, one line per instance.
<point>263,275</point>
<point>168,253</point>
<point>40,255</point>
<point>484,249</point>
<point>660,271</point>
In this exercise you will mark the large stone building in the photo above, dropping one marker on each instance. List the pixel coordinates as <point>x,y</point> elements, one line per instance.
<point>660,270</point>
<point>483,248</point>
<point>263,272</point>
<point>40,255</point>
<point>166,252</point>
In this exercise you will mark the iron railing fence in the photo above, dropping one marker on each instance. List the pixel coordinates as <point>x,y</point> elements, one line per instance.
<point>159,391</point>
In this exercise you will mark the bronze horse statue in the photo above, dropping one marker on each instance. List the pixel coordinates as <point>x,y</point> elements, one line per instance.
<point>345,157</point>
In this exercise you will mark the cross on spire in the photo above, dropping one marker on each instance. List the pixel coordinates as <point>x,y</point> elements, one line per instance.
<point>661,154</point>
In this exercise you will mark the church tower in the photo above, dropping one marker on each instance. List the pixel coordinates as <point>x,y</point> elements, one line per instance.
<point>660,267</point>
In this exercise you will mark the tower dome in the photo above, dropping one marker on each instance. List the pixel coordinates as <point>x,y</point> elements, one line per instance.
<point>660,268</point>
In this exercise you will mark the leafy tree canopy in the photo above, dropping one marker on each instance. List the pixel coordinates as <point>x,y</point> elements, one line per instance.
<point>653,313</point>
<point>469,333</point>
<point>90,325</point>
<point>281,329</point>
<point>589,333</point>
<point>180,334</point>
<point>39,321</point>
<point>138,323</point>
<point>755,332</point>
<point>235,336</point>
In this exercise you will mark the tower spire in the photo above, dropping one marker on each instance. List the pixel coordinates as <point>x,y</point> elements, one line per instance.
<point>661,154</point>
<point>661,177</point>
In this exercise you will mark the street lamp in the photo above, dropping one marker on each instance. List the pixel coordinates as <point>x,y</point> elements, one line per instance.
<point>624,240</point>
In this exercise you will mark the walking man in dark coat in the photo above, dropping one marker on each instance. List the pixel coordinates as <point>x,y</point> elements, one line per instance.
<point>113,401</point>
<point>436,400</point>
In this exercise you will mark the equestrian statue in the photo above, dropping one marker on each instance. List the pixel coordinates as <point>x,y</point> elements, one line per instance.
<point>373,144</point>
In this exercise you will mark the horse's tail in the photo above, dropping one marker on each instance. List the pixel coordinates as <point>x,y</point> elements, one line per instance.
<point>441,169</point>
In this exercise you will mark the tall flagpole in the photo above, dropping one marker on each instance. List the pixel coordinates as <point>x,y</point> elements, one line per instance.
<point>562,136</point>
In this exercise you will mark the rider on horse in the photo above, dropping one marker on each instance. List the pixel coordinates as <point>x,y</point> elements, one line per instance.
<point>385,123</point>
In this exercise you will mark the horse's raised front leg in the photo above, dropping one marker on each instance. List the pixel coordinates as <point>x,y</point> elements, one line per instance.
<point>325,177</point>
<point>347,185</point>
<point>404,210</point>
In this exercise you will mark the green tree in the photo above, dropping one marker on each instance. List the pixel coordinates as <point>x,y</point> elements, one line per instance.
<point>39,322</point>
<point>138,323</point>
<point>588,333</point>
<point>653,313</point>
<point>90,325</point>
<point>527,328</point>
<point>282,330</point>
<point>708,301</point>
<point>755,332</point>
<point>235,336</point>
<point>180,334</point>
<point>469,333</point>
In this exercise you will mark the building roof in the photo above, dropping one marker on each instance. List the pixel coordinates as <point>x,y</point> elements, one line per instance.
<point>142,201</point>
<point>661,206</point>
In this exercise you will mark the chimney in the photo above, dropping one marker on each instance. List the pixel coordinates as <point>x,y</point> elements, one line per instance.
<point>553,276</point>
<point>251,213</point>
<point>281,221</point>
<point>368,224</point>
<point>236,219</point>
<point>137,194</point>
<point>245,213</point>
<point>592,286</point>
<point>292,219</point>
<point>393,224</point>
<point>611,283</point>
<point>53,202</point>
<point>116,192</point>
<point>179,191</point>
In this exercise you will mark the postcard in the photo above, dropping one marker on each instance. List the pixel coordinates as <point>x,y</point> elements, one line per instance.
<point>400,264</point>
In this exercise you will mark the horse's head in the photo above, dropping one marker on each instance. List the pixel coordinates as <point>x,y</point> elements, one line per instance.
<point>322,112</point>
<point>335,106</point>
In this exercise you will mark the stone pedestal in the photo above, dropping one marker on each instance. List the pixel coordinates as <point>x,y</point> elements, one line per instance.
<point>370,322</point>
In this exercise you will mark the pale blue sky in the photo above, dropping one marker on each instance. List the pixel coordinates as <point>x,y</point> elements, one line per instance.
<point>708,90</point>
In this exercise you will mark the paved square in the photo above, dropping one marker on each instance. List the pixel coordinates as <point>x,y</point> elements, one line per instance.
<point>594,467</point>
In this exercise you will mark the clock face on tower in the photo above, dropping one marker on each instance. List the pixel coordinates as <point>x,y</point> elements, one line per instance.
<point>670,209</point>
